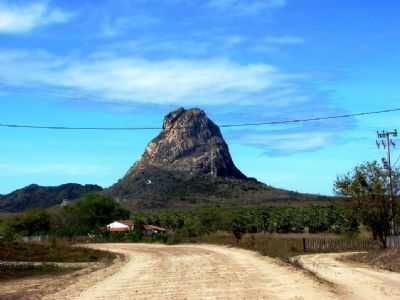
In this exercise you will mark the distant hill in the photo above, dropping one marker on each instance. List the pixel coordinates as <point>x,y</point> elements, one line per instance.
<point>189,165</point>
<point>33,196</point>
<point>156,188</point>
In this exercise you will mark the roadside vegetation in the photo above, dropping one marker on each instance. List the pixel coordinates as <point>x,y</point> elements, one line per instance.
<point>388,259</point>
<point>276,230</point>
<point>8,272</point>
<point>280,245</point>
<point>374,199</point>
<point>48,252</point>
<point>90,214</point>
<point>53,251</point>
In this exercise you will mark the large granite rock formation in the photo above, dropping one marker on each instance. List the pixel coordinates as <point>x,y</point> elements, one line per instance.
<point>189,142</point>
<point>188,165</point>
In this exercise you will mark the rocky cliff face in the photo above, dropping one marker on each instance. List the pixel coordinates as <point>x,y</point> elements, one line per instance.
<point>187,162</point>
<point>189,142</point>
<point>188,165</point>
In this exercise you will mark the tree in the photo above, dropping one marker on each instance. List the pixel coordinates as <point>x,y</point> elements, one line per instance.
<point>91,212</point>
<point>34,221</point>
<point>238,228</point>
<point>368,186</point>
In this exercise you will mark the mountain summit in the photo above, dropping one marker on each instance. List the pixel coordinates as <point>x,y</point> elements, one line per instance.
<point>189,142</point>
<point>189,165</point>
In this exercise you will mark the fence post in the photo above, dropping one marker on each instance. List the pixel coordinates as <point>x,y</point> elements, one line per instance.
<point>304,245</point>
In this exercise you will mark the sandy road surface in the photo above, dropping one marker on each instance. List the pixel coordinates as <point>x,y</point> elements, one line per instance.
<point>211,272</point>
<point>353,281</point>
<point>200,272</point>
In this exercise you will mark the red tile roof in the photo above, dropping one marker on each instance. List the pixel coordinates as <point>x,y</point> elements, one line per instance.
<point>153,227</point>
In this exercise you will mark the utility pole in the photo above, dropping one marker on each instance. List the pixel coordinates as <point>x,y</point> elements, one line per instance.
<point>386,141</point>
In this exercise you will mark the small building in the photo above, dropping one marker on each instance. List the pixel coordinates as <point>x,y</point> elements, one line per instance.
<point>121,226</point>
<point>153,229</point>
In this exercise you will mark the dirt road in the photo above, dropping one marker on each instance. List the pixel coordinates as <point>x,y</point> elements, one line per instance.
<point>214,272</point>
<point>355,281</point>
<point>198,272</point>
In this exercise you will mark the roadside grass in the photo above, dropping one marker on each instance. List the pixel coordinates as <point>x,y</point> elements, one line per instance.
<point>283,246</point>
<point>14,272</point>
<point>54,251</point>
<point>388,259</point>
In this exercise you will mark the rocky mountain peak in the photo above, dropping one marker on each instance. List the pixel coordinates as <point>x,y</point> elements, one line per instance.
<point>189,165</point>
<point>189,142</point>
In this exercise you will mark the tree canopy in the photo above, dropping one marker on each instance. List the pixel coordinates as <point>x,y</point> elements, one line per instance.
<point>368,185</point>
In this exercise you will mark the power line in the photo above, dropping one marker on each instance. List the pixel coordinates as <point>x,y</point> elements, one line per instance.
<point>221,126</point>
<point>314,119</point>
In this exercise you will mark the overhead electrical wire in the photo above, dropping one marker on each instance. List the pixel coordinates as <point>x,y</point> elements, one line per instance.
<point>323,118</point>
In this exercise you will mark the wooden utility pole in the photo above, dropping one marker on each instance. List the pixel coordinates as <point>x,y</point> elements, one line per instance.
<point>385,141</point>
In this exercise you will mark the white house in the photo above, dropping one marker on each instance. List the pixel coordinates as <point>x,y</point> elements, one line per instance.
<point>121,226</point>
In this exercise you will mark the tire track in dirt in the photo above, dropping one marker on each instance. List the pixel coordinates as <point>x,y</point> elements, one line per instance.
<point>354,281</point>
<point>200,272</point>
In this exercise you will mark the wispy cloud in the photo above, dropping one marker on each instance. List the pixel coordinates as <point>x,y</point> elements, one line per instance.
<point>143,81</point>
<point>18,18</point>
<point>196,45</point>
<point>285,143</point>
<point>121,25</point>
<point>245,7</point>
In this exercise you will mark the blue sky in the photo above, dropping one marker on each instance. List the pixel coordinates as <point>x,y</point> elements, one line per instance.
<point>127,63</point>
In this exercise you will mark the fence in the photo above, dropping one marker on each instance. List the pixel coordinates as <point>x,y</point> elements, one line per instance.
<point>393,242</point>
<point>333,244</point>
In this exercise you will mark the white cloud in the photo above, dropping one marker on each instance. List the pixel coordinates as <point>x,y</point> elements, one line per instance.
<point>24,18</point>
<point>138,80</point>
<point>245,7</point>
<point>200,44</point>
<point>289,142</point>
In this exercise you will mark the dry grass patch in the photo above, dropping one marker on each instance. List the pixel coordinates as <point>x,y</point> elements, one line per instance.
<point>57,251</point>
<point>388,259</point>
<point>60,252</point>
<point>270,244</point>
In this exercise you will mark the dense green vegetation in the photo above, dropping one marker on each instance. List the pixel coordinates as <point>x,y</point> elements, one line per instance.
<point>275,219</point>
<point>369,187</point>
<point>93,211</point>
<point>86,215</point>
